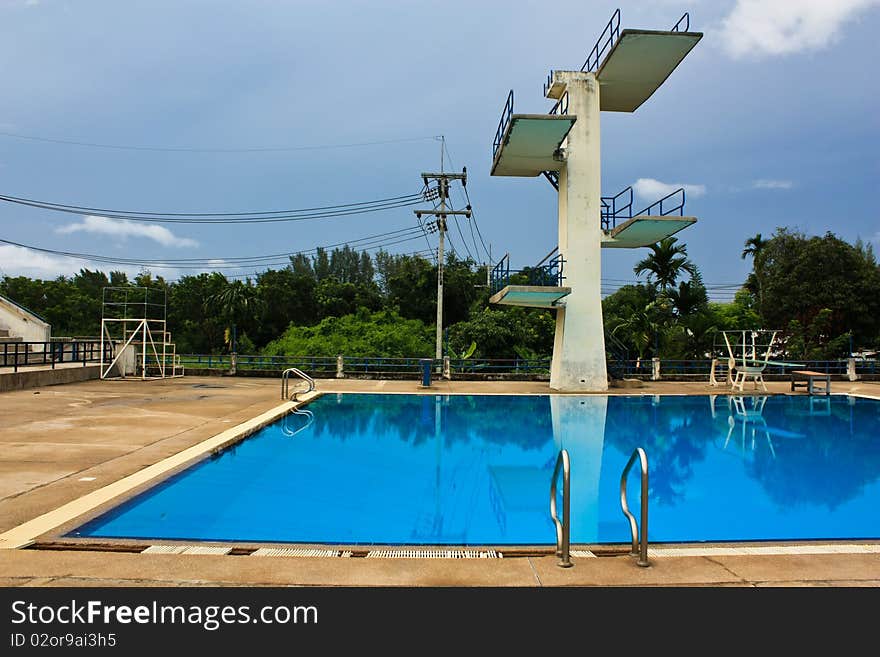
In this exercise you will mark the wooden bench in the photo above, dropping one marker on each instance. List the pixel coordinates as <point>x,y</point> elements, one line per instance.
<point>808,379</point>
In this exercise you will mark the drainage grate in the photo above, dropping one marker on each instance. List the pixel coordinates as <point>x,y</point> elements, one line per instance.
<point>164,549</point>
<point>298,552</point>
<point>583,554</point>
<point>434,554</point>
<point>186,549</point>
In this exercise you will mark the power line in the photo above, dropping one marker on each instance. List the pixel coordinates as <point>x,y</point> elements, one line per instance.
<point>163,149</point>
<point>270,216</point>
<point>473,217</point>
<point>365,243</point>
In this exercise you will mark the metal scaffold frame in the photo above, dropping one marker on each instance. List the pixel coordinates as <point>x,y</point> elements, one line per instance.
<point>134,317</point>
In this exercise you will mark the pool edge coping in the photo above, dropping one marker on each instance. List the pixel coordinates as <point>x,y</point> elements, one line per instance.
<point>46,526</point>
<point>28,532</point>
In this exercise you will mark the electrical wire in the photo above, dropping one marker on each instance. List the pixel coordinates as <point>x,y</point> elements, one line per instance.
<point>270,216</point>
<point>365,243</point>
<point>473,219</point>
<point>162,149</point>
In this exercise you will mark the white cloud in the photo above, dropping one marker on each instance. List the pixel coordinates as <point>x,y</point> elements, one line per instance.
<point>653,190</point>
<point>18,261</point>
<point>124,229</point>
<point>772,184</point>
<point>781,27</point>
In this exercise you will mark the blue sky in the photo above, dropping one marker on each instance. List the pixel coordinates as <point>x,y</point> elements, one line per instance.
<point>772,120</point>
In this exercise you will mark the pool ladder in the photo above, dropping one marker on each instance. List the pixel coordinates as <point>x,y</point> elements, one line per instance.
<point>639,538</point>
<point>285,380</point>
<point>563,526</point>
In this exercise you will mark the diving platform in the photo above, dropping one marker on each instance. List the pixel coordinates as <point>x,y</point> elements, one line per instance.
<point>528,144</point>
<point>530,296</point>
<point>638,63</point>
<point>644,231</point>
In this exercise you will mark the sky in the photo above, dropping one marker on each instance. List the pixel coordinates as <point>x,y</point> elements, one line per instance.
<point>218,106</point>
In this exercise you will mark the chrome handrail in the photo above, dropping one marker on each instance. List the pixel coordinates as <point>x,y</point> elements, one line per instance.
<point>285,376</point>
<point>639,539</point>
<point>563,527</point>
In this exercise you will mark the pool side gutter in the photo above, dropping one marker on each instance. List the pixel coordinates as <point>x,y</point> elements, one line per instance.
<point>26,533</point>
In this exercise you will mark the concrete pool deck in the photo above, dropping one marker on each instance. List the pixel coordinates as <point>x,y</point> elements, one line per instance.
<point>63,442</point>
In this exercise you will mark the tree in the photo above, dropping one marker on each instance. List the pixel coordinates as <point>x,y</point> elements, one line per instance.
<point>821,279</point>
<point>754,247</point>
<point>238,305</point>
<point>665,263</point>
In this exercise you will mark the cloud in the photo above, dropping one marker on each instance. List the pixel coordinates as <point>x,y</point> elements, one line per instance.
<point>653,190</point>
<point>124,229</point>
<point>772,184</point>
<point>781,27</point>
<point>18,261</point>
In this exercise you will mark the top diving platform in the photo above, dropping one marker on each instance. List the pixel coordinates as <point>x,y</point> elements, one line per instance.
<point>636,64</point>
<point>639,62</point>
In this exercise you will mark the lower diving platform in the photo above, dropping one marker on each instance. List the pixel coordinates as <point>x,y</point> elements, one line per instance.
<point>533,287</point>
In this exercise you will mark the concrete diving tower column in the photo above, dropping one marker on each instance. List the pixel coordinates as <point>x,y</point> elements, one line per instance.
<point>578,363</point>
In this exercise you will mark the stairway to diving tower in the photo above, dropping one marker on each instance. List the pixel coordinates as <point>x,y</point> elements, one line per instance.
<point>621,72</point>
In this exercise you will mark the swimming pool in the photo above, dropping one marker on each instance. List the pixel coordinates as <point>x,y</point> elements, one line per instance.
<point>475,470</point>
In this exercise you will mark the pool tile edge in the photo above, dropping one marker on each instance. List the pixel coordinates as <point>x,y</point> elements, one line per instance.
<point>27,532</point>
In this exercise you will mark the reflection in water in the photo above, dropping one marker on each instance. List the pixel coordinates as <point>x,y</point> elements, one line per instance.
<point>431,469</point>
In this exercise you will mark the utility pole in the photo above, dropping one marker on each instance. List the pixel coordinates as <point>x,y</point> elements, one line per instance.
<point>439,224</point>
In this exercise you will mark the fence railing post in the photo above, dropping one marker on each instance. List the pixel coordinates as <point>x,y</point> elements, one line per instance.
<point>340,367</point>
<point>447,374</point>
<point>655,369</point>
<point>851,373</point>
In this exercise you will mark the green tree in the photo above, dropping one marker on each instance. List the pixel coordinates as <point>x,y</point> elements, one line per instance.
<point>805,277</point>
<point>665,263</point>
<point>238,305</point>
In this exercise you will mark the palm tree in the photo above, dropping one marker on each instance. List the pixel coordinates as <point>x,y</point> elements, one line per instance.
<point>755,247</point>
<point>665,263</point>
<point>235,303</point>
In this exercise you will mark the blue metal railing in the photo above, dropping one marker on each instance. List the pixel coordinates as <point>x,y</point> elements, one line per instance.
<point>607,39</point>
<point>619,364</point>
<point>500,274</point>
<point>547,273</point>
<point>686,18</point>
<point>506,113</point>
<point>616,207</point>
<point>23,354</point>
<point>669,204</point>
<point>561,106</point>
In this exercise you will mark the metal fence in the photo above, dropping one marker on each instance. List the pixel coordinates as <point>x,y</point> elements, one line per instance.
<point>24,354</point>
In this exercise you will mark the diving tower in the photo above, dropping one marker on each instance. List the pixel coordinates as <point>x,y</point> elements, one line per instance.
<point>621,72</point>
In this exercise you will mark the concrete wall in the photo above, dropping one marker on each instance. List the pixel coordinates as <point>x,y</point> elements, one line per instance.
<point>23,323</point>
<point>25,378</point>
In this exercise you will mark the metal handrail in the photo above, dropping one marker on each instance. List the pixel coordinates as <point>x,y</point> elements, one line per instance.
<point>561,106</point>
<point>30,353</point>
<point>639,539</point>
<point>310,419</point>
<point>678,199</point>
<point>506,113</point>
<point>563,527</point>
<point>610,210</point>
<point>285,376</point>
<point>613,30</point>
<point>686,17</point>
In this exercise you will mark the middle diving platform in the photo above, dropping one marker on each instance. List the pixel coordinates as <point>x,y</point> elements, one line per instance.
<point>541,286</point>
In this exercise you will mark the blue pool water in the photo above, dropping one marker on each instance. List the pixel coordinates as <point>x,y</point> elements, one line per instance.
<point>471,470</point>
